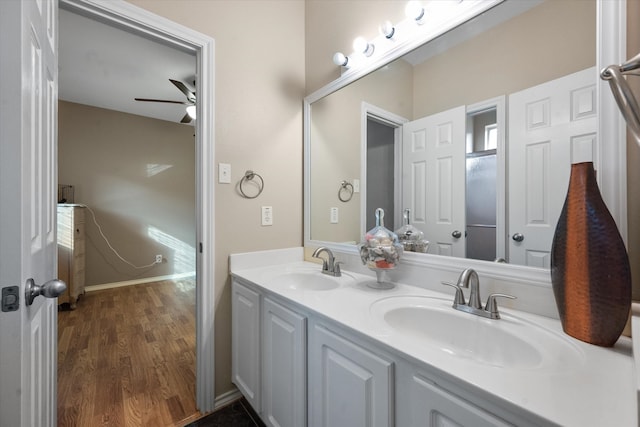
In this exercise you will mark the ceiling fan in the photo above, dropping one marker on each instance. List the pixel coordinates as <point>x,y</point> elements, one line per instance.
<point>190,102</point>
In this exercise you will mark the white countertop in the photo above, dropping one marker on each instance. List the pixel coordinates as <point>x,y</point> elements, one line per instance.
<point>596,387</point>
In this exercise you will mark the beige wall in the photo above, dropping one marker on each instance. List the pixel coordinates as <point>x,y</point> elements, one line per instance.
<point>259,86</point>
<point>138,176</point>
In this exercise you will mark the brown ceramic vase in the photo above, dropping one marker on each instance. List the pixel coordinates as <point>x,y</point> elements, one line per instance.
<point>589,264</point>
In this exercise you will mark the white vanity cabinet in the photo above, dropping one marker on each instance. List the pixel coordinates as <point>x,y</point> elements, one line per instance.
<point>349,384</point>
<point>269,357</point>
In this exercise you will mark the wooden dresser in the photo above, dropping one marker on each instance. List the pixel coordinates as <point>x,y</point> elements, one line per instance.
<point>71,254</point>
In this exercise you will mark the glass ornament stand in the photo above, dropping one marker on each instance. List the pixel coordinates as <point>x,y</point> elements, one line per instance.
<point>381,282</point>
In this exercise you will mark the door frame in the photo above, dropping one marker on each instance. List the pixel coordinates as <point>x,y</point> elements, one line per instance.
<point>142,22</point>
<point>370,111</point>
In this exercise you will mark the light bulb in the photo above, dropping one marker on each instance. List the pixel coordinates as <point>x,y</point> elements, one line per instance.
<point>414,10</point>
<point>361,45</point>
<point>387,29</point>
<point>191,111</point>
<point>340,60</point>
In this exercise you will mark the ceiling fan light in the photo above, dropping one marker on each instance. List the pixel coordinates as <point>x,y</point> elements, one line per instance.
<point>191,111</point>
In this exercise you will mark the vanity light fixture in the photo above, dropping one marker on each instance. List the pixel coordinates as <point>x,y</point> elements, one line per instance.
<point>387,29</point>
<point>415,11</point>
<point>341,60</point>
<point>360,44</point>
<point>191,111</point>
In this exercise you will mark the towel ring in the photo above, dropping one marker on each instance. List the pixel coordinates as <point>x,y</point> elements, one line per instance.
<point>348,187</point>
<point>248,176</point>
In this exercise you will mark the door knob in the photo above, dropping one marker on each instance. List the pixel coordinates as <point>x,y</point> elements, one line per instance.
<point>456,234</point>
<point>50,289</point>
<point>518,237</point>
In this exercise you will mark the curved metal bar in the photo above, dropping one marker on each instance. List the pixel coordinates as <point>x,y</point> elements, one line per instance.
<point>622,93</point>
<point>348,187</point>
<point>249,176</point>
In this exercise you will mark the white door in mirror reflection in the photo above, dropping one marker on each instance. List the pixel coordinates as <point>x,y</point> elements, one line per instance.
<point>433,179</point>
<point>550,126</point>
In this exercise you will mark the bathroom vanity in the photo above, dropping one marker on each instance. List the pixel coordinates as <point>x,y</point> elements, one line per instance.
<point>311,349</point>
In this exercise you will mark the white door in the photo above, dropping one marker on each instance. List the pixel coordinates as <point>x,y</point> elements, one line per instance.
<point>284,363</point>
<point>550,126</point>
<point>245,342</point>
<point>433,179</point>
<point>28,129</point>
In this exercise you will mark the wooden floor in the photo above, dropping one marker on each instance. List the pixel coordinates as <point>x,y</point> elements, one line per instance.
<point>126,357</point>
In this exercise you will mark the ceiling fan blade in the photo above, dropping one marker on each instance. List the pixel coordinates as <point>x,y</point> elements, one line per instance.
<point>162,100</point>
<point>184,89</point>
<point>186,119</point>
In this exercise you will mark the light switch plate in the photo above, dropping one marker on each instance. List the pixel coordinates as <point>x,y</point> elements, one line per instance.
<point>224,173</point>
<point>267,215</point>
<point>356,185</point>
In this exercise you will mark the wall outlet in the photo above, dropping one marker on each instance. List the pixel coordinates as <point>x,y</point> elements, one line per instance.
<point>333,215</point>
<point>267,215</point>
<point>158,259</point>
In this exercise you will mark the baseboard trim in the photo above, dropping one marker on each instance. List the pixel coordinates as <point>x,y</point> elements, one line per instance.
<point>226,398</point>
<point>112,285</point>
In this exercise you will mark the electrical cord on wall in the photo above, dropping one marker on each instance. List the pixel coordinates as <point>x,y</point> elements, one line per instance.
<point>93,215</point>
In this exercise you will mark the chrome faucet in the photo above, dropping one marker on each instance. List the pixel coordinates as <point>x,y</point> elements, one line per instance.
<point>469,279</point>
<point>329,266</point>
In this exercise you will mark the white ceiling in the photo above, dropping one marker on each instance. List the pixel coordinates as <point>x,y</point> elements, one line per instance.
<point>106,67</point>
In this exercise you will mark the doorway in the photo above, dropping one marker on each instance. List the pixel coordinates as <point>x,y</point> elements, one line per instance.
<point>381,166</point>
<point>141,22</point>
<point>380,171</point>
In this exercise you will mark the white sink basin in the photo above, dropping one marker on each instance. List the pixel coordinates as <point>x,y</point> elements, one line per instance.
<point>510,342</point>
<point>311,280</point>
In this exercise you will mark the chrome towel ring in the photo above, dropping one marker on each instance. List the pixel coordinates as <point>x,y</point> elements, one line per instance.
<point>345,187</point>
<point>248,177</point>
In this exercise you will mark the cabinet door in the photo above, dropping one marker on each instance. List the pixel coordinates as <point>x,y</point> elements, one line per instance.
<point>349,386</point>
<point>245,342</point>
<point>284,374</point>
<point>434,407</point>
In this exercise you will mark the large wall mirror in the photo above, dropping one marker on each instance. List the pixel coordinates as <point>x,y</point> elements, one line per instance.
<point>474,132</point>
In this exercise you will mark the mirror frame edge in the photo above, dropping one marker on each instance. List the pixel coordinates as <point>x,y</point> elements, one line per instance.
<point>610,162</point>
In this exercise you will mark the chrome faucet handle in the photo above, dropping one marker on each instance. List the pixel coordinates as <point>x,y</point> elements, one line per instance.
<point>492,306</point>
<point>459,298</point>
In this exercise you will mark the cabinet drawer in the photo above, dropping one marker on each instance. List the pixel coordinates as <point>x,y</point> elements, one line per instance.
<point>434,407</point>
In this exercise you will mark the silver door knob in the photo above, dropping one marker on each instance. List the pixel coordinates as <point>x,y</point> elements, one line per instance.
<point>51,289</point>
<point>518,237</point>
<point>456,234</point>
